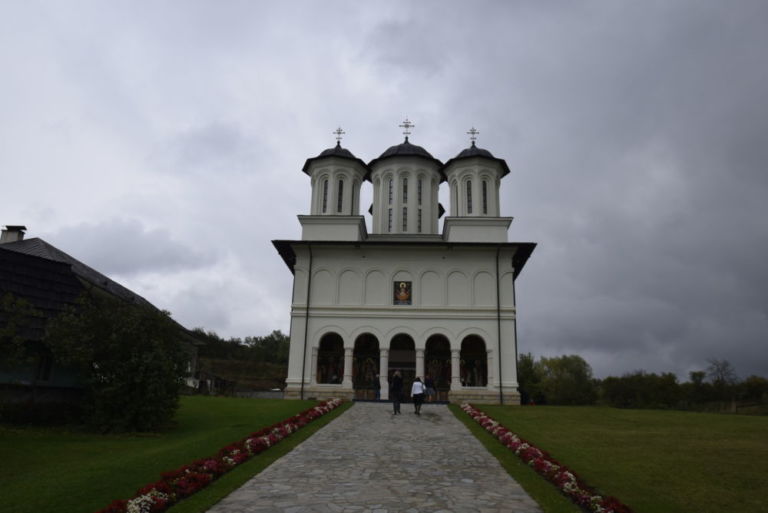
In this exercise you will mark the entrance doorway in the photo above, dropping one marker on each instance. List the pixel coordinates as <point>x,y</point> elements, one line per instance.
<point>330,359</point>
<point>402,357</point>
<point>437,363</point>
<point>365,367</point>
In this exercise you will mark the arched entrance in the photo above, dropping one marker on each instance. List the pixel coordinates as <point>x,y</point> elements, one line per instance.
<point>365,367</point>
<point>437,364</point>
<point>402,357</point>
<point>330,359</point>
<point>474,362</point>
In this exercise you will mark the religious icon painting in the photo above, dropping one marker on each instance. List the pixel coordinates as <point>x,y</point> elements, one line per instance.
<point>402,291</point>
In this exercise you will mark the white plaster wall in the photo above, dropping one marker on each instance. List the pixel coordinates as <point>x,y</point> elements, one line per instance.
<point>454,294</point>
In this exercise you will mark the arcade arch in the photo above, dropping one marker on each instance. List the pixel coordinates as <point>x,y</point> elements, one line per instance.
<point>473,362</point>
<point>330,359</point>
<point>365,367</point>
<point>402,357</point>
<point>437,364</point>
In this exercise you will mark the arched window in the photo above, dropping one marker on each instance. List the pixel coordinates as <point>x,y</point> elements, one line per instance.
<point>390,191</point>
<point>389,221</point>
<point>455,199</point>
<point>485,196</point>
<point>325,196</point>
<point>405,219</point>
<point>469,197</point>
<point>418,190</point>
<point>405,190</point>
<point>419,222</point>
<point>340,196</point>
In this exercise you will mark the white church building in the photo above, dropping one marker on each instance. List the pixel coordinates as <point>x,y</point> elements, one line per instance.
<point>404,296</point>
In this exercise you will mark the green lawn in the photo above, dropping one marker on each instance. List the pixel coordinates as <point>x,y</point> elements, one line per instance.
<point>71,472</point>
<point>654,461</point>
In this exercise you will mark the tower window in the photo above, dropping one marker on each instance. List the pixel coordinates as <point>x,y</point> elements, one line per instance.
<point>419,221</point>
<point>325,196</point>
<point>340,196</point>
<point>405,190</point>
<point>455,200</point>
<point>405,219</point>
<point>485,196</point>
<point>469,197</point>
<point>418,189</point>
<point>389,221</point>
<point>390,191</point>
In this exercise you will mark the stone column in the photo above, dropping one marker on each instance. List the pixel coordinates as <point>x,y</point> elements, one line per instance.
<point>313,367</point>
<point>489,366</point>
<point>455,378</point>
<point>384,373</point>
<point>347,383</point>
<point>420,364</point>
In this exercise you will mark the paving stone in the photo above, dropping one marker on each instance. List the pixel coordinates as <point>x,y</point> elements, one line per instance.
<point>368,460</point>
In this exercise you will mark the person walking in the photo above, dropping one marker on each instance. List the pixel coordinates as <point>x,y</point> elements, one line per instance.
<point>417,392</point>
<point>396,392</point>
<point>429,383</point>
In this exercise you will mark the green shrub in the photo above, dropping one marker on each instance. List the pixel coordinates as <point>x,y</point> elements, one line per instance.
<point>130,358</point>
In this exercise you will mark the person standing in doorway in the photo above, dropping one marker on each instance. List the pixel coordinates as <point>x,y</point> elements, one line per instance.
<point>396,390</point>
<point>417,392</point>
<point>376,387</point>
<point>429,383</point>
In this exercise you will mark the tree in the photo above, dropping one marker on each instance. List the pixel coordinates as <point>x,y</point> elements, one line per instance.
<point>642,390</point>
<point>130,357</point>
<point>566,380</point>
<point>272,348</point>
<point>721,372</point>
<point>529,379</point>
<point>17,320</point>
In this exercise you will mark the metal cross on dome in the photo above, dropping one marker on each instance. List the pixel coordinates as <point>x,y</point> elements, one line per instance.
<point>339,132</point>
<point>473,135</point>
<point>407,125</point>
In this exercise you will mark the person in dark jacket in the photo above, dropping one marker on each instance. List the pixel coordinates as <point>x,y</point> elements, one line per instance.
<point>396,392</point>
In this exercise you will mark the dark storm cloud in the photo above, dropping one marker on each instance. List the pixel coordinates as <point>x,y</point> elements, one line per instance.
<point>635,132</point>
<point>656,202</point>
<point>125,247</point>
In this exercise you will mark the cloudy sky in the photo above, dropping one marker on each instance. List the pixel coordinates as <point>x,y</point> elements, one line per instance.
<point>162,144</point>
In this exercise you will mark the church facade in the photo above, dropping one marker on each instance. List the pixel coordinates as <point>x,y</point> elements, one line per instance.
<point>404,297</point>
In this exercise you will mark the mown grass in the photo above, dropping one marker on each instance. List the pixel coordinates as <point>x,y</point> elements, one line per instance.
<point>66,471</point>
<point>654,461</point>
<point>546,495</point>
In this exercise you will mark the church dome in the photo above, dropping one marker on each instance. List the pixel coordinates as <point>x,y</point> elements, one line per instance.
<point>473,152</point>
<point>338,152</point>
<point>405,149</point>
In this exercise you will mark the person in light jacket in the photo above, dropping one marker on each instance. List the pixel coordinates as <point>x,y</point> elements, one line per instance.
<point>417,392</point>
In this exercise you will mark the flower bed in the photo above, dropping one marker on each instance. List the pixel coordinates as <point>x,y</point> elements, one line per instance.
<point>559,475</point>
<point>184,481</point>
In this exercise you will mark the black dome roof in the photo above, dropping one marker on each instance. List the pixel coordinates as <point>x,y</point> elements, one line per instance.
<point>338,152</point>
<point>473,151</point>
<point>406,149</point>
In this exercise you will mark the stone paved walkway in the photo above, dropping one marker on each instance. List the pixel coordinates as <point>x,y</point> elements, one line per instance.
<point>369,461</point>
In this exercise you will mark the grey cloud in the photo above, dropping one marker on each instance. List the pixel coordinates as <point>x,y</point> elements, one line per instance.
<point>126,247</point>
